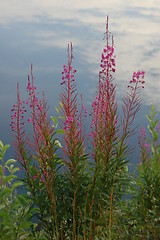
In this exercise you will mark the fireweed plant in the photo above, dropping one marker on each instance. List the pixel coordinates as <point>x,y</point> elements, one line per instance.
<point>77,192</point>
<point>37,154</point>
<point>140,217</point>
<point>148,196</point>
<point>109,145</point>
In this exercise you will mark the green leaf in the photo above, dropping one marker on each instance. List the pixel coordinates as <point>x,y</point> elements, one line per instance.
<point>60,104</point>
<point>153,108</point>
<point>9,161</point>
<point>4,192</point>
<point>57,109</point>
<point>16,184</point>
<point>54,119</point>
<point>2,206</point>
<point>154,136</point>
<point>14,170</point>
<point>1,170</point>
<point>150,129</point>
<point>60,131</point>
<point>153,124</point>
<point>1,144</point>
<point>152,148</point>
<point>1,155</point>
<point>22,200</point>
<point>9,178</point>
<point>4,149</point>
<point>149,118</point>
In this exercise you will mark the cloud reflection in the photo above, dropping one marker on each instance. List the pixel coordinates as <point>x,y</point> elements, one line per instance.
<point>135,25</point>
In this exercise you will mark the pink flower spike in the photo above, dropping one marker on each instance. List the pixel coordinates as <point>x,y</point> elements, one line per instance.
<point>70,119</point>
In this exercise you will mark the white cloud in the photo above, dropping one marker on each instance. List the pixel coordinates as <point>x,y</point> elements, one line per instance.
<point>135,25</point>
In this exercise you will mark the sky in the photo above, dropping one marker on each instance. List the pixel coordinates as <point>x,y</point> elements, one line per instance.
<point>37,32</point>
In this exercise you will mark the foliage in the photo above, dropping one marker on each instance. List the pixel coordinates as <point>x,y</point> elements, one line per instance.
<point>80,192</point>
<point>15,210</point>
<point>148,192</point>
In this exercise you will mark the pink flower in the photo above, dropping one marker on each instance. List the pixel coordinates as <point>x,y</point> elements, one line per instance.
<point>29,120</point>
<point>35,176</point>
<point>147,146</point>
<point>90,134</point>
<point>85,112</point>
<point>67,76</point>
<point>104,50</point>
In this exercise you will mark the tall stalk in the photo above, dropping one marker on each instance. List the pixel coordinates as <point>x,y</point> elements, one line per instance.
<point>109,145</point>
<point>74,137</point>
<point>37,153</point>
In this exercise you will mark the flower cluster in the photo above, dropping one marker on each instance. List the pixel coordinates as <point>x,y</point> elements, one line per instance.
<point>105,98</point>
<point>31,89</point>
<point>108,59</point>
<point>18,110</point>
<point>72,119</point>
<point>137,78</point>
<point>22,110</point>
<point>68,74</point>
<point>68,122</point>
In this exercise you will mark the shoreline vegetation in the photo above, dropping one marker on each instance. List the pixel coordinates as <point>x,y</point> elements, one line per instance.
<point>79,187</point>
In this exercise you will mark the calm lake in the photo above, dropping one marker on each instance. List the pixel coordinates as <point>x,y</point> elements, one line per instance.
<point>37,32</point>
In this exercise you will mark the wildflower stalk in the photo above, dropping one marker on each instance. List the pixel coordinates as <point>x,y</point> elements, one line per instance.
<point>131,105</point>
<point>104,115</point>
<point>74,138</point>
<point>37,154</point>
<point>109,146</point>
